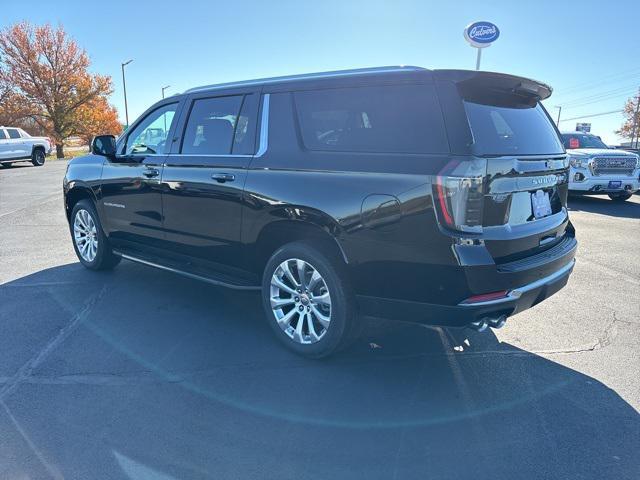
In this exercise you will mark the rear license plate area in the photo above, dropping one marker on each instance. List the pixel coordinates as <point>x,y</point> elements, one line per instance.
<point>541,204</point>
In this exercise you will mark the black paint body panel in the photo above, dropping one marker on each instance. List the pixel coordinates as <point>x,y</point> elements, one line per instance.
<point>376,209</point>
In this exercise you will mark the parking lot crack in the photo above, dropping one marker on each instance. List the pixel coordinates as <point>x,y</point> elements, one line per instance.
<point>28,367</point>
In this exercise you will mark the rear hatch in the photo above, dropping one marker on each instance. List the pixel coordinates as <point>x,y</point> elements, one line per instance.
<point>508,183</point>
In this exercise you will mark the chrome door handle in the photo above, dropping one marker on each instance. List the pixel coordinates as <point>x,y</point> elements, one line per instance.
<point>223,177</point>
<point>151,172</point>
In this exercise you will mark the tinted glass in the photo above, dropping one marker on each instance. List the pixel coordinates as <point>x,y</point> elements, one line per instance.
<point>3,135</point>
<point>398,119</point>
<point>150,136</point>
<point>580,140</point>
<point>211,126</point>
<point>522,130</point>
<point>13,133</point>
<point>244,140</point>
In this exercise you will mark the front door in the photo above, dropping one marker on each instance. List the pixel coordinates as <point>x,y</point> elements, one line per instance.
<point>131,190</point>
<point>204,178</point>
<point>16,145</point>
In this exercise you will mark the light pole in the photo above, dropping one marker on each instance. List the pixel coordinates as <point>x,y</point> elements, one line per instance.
<point>559,107</point>
<point>163,89</point>
<point>124,85</point>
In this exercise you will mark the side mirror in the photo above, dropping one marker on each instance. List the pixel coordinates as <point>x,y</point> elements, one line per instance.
<point>104,145</point>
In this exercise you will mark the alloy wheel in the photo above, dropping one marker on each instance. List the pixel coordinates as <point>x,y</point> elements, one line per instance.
<point>300,301</point>
<point>85,235</point>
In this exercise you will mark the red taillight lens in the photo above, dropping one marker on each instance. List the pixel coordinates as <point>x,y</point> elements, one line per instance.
<point>459,195</point>
<point>485,297</point>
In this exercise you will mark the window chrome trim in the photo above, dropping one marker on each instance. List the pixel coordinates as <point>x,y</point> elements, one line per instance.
<point>264,127</point>
<point>237,155</point>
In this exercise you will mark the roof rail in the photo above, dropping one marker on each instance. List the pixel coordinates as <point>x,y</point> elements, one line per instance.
<point>308,76</point>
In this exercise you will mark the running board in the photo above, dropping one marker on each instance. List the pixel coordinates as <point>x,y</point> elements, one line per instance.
<point>213,281</point>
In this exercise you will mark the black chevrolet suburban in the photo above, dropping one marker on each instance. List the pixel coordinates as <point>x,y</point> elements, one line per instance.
<point>436,197</point>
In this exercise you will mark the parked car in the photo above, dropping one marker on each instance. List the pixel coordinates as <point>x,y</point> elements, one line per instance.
<point>597,169</point>
<point>436,197</point>
<point>16,145</point>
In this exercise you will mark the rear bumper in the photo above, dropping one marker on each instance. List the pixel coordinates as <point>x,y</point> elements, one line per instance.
<point>516,301</point>
<point>600,184</point>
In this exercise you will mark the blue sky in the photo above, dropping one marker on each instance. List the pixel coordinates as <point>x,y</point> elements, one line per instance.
<point>587,50</point>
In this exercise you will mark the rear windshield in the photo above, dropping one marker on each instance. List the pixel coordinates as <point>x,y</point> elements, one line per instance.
<point>393,118</point>
<point>581,140</point>
<point>522,130</point>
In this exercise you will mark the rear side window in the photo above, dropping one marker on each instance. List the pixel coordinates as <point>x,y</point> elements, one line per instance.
<point>517,130</point>
<point>13,133</point>
<point>390,119</point>
<point>3,136</point>
<point>211,126</point>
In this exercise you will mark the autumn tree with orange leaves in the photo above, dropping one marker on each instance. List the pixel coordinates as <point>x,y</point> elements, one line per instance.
<point>44,77</point>
<point>631,127</point>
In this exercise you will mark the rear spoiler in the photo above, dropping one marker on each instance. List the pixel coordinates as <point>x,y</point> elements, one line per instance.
<point>495,88</point>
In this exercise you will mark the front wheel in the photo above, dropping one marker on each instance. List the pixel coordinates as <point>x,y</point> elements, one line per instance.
<point>308,300</point>
<point>38,157</point>
<point>89,241</point>
<point>619,197</point>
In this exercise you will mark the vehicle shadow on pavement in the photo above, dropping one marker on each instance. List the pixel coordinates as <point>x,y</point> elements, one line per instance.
<point>605,206</point>
<point>138,373</point>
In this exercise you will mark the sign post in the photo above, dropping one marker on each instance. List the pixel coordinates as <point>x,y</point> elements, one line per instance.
<point>481,35</point>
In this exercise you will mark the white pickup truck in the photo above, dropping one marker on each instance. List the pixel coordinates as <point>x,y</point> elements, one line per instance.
<point>16,145</point>
<point>597,169</point>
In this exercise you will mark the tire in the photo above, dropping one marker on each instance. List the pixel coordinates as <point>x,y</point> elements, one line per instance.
<point>96,255</point>
<point>312,338</point>
<point>38,157</point>
<point>619,197</point>
<point>5,165</point>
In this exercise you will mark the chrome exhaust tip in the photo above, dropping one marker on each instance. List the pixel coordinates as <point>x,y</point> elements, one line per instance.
<point>498,322</point>
<point>480,325</point>
<point>484,323</point>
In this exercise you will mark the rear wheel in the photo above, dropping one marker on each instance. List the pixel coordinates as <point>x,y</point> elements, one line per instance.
<point>308,300</point>
<point>5,165</point>
<point>89,241</point>
<point>38,157</point>
<point>619,197</point>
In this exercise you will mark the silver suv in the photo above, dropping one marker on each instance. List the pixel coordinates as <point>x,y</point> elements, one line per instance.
<point>598,169</point>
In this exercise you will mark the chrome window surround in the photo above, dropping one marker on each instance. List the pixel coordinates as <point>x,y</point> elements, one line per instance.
<point>262,145</point>
<point>264,126</point>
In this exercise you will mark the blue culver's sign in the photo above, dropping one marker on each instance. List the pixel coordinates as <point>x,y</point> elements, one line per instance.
<point>481,34</point>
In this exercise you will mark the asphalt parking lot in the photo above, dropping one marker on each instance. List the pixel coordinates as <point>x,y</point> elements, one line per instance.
<point>140,374</point>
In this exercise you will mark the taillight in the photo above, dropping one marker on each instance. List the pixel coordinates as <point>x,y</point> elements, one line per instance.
<point>459,195</point>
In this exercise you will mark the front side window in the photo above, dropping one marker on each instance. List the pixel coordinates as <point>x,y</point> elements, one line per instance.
<point>149,137</point>
<point>13,133</point>
<point>390,119</point>
<point>211,126</point>
<point>3,136</point>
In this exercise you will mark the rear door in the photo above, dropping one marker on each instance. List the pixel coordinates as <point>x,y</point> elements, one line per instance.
<point>204,177</point>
